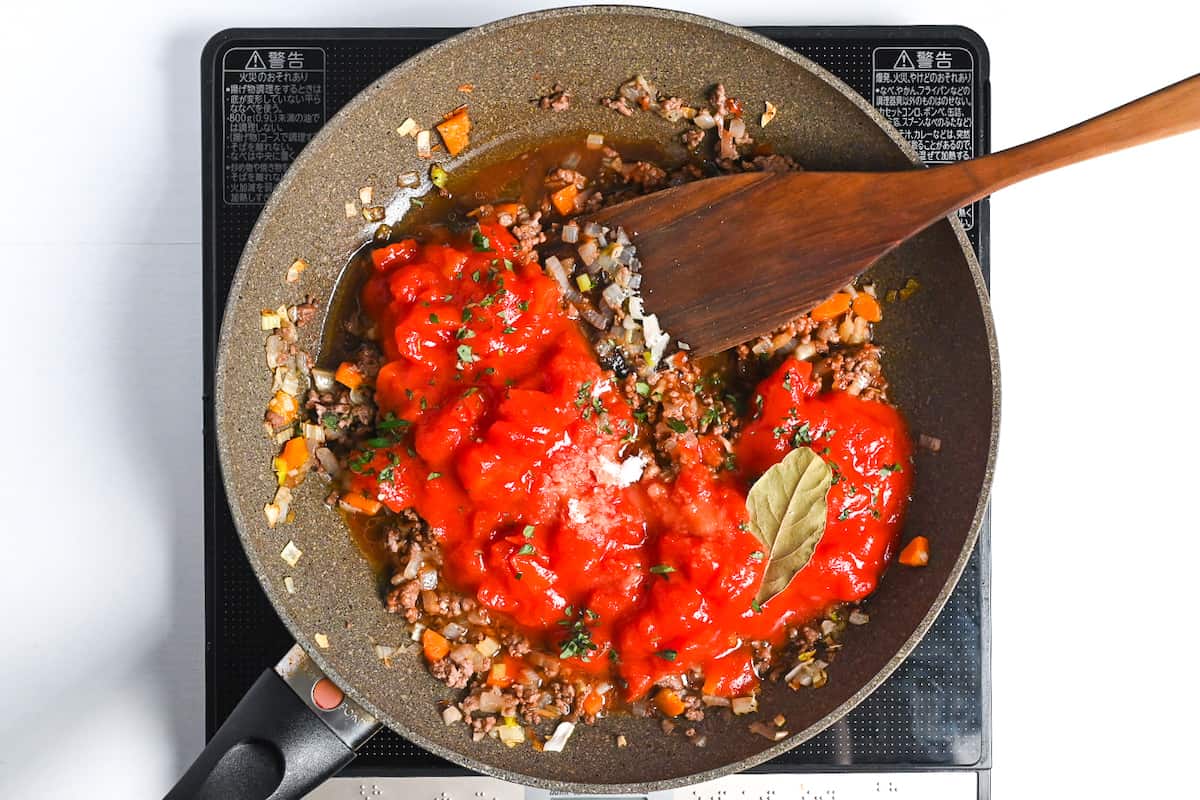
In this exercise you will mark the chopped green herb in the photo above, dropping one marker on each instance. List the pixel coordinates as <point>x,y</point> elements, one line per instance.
<point>579,643</point>
<point>465,355</point>
<point>526,549</point>
<point>640,416</point>
<point>508,265</point>
<point>464,333</point>
<point>677,425</point>
<point>475,276</point>
<point>378,441</point>
<point>662,569</point>
<point>510,329</point>
<point>888,469</point>
<point>845,514</point>
<point>802,436</point>
<point>711,417</point>
<point>433,318</point>
<point>757,555</point>
<point>418,202</point>
<point>391,422</point>
<point>480,241</point>
<point>528,532</point>
<point>523,305</point>
<point>330,421</point>
<point>642,388</point>
<point>433,476</point>
<point>667,655</point>
<point>470,391</point>
<point>754,604</point>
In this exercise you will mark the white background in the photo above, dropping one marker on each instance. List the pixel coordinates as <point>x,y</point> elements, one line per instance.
<point>1095,503</point>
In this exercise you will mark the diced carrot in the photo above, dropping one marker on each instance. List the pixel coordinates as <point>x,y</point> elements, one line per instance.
<point>498,676</point>
<point>284,405</point>
<point>867,307</point>
<point>593,703</point>
<point>833,307</point>
<point>360,503</point>
<point>669,703</point>
<point>348,375</point>
<point>455,130</point>
<point>915,553</point>
<point>564,199</point>
<point>435,645</point>
<point>295,453</point>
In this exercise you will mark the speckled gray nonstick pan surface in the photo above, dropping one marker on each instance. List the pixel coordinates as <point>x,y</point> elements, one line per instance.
<point>940,357</point>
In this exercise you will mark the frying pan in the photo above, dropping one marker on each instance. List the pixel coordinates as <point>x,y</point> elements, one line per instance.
<point>940,353</point>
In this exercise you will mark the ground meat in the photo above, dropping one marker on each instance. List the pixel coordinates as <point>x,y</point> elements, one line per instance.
<point>368,359</point>
<point>693,707</point>
<point>562,697</point>
<point>561,177</point>
<point>761,656</point>
<point>856,371</point>
<point>692,138</point>
<point>557,99</point>
<point>306,311</point>
<point>528,232</point>
<point>454,675</point>
<point>646,175</point>
<point>774,163</point>
<point>515,644</point>
<point>403,600</point>
<point>617,104</point>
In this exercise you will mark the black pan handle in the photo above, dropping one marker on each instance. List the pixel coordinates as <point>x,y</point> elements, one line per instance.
<point>293,729</point>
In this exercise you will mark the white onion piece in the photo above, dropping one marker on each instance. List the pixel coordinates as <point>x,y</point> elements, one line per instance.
<point>595,141</point>
<point>276,351</point>
<point>570,233</point>
<point>323,380</point>
<point>745,705</point>
<point>555,268</point>
<point>558,740</point>
<point>511,735</point>
<point>613,295</point>
<point>571,161</point>
<point>490,701</point>
<point>704,120</point>
<point>327,460</point>
<point>453,631</point>
<point>418,629</point>
<point>488,647</point>
<point>451,715</point>
<point>588,251</point>
<point>429,578</point>
<point>737,126</point>
<point>415,559</point>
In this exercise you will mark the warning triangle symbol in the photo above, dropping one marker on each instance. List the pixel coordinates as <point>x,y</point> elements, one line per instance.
<point>903,62</point>
<point>256,62</point>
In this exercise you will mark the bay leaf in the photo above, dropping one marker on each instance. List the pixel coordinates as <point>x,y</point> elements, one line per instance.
<point>787,508</point>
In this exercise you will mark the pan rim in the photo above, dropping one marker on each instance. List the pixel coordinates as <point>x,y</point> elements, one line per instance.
<point>225,456</point>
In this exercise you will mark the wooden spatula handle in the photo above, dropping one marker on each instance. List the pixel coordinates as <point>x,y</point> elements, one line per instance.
<point>1167,112</point>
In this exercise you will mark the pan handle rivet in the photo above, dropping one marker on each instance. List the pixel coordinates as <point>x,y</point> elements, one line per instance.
<point>326,695</point>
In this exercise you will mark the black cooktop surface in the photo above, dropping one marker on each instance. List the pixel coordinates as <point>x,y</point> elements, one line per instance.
<point>267,92</point>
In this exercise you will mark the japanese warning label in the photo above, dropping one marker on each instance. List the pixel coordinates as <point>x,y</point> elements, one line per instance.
<point>273,103</point>
<point>928,94</point>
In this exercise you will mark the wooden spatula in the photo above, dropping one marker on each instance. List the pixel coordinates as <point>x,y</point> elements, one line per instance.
<point>729,258</point>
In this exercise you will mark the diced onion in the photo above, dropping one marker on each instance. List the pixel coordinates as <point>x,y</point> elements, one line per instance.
<point>408,180</point>
<point>366,195</point>
<point>737,127</point>
<point>570,233</point>
<point>451,715</point>
<point>713,700</point>
<point>555,268</point>
<point>613,295</point>
<point>490,701</point>
<point>424,148</point>
<point>704,120</point>
<point>767,732</point>
<point>384,651</point>
<point>453,631</point>
<point>418,629</point>
<point>327,460</point>
<point>488,647</point>
<point>595,141</point>
<point>593,230</point>
<point>588,251</point>
<point>744,705</point>
<point>415,559</point>
<point>511,734</point>
<point>290,553</point>
<point>268,319</point>
<point>558,740</point>
<point>768,115</point>
<point>429,577</point>
<point>322,380</point>
<point>408,127</point>
<point>322,640</point>
<point>289,584</point>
